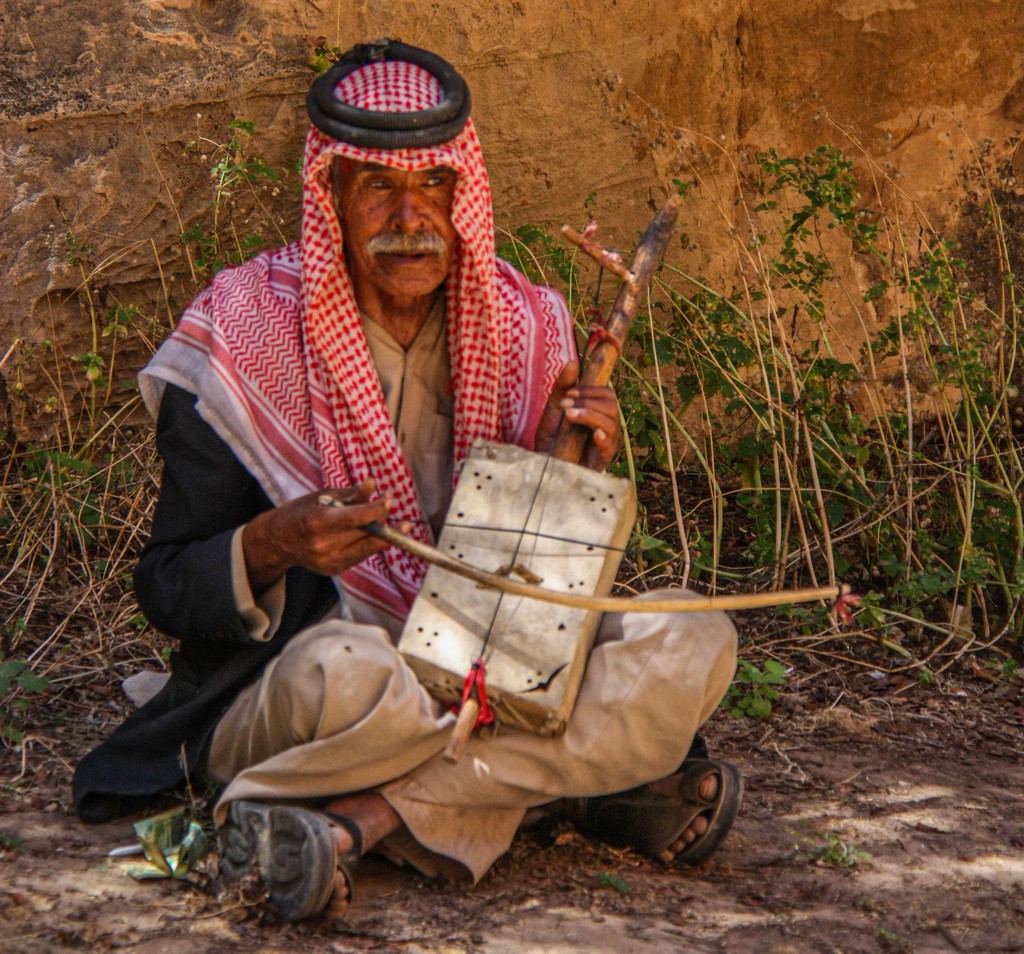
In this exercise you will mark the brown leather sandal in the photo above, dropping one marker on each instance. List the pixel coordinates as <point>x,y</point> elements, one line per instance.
<point>649,822</point>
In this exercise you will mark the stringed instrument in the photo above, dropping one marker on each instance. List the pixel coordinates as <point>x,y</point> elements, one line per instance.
<point>572,526</point>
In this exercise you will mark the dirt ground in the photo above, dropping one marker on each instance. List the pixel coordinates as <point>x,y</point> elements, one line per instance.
<point>879,816</point>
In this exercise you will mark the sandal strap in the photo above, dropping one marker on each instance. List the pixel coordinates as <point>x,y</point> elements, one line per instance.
<point>354,832</point>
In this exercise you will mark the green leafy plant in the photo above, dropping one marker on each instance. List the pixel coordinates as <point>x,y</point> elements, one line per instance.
<point>754,691</point>
<point>614,881</point>
<point>1009,668</point>
<point>837,853</point>
<point>816,468</point>
<point>221,237</point>
<point>890,940</point>
<point>322,54</point>
<point>17,680</point>
<point>649,551</point>
<point>538,254</point>
<point>9,842</point>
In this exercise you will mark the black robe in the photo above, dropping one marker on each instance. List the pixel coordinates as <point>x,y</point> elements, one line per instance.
<point>183,586</point>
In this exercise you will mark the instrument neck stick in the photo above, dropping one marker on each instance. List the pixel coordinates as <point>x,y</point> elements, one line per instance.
<point>600,360</point>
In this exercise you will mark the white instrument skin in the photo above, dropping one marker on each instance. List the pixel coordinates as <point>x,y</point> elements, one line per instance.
<point>555,524</point>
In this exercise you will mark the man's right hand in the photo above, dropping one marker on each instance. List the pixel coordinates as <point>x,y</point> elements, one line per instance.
<point>326,539</point>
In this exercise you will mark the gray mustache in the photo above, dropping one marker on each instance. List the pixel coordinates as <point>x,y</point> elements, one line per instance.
<point>398,243</point>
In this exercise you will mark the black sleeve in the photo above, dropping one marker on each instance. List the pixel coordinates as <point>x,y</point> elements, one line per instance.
<point>183,578</point>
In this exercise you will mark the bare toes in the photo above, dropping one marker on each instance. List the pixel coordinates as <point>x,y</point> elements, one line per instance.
<point>697,827</point>
<point>708,787</point>
<point>337,907</point>
<point>693,831</point>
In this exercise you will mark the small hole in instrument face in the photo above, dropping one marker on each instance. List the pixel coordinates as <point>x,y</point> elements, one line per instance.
<point>427,644</point>
<point>419,629</point>
<point>561,626</point>
<point>460,515</point>
<point>604,510</point>
<point>433,596</point>
<point>590,549</point>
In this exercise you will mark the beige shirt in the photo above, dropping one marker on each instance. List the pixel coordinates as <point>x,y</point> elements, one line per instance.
<point>417,391</point>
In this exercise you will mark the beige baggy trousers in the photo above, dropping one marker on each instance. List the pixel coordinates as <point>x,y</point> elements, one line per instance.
<point>339,711</point>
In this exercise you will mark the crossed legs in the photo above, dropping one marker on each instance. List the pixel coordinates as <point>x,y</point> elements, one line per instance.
<point>339,719</point>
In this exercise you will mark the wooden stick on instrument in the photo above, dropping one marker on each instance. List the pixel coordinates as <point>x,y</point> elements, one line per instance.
<point>464,727</point>
<point>572,438</point>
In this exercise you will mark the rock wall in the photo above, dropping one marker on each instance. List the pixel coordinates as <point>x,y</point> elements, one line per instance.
<point>112,115</point>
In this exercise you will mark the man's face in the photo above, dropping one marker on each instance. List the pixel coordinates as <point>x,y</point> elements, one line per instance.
<point>399,236</point>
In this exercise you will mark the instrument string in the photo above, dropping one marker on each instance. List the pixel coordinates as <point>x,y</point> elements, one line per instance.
<point>475,678</point>
<point>492,528</point>
<point>514,559</point>
<point>597,317</point>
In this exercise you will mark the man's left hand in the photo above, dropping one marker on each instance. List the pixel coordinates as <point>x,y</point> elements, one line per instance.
<point>594,407</point>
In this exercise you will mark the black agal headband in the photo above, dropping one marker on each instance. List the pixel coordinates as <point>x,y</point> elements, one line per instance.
<point>375,129</point>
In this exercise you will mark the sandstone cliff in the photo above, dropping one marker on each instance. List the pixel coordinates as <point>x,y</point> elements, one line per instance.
<point>113,114</point>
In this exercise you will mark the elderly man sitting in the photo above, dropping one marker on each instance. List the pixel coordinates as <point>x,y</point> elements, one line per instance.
<point>360,363</point>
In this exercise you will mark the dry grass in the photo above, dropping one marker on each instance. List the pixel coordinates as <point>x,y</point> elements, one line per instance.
<point>762,472</point>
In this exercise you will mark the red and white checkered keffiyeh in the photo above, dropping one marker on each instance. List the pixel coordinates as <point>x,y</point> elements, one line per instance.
<point>276,352</point>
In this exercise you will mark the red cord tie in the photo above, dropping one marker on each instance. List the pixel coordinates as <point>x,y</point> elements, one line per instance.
<point>476,683</point>
<point>599,334</point>
<point>844,602</point>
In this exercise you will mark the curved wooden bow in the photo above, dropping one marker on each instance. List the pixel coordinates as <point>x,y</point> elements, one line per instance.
<point>840,595</point>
